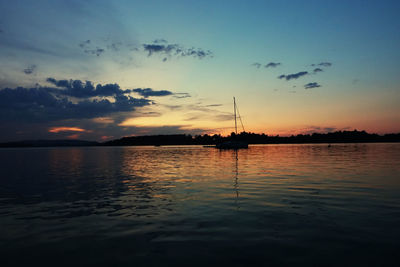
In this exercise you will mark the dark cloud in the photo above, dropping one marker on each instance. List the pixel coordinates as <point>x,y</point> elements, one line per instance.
<point>84,44</point>
<point>29,70</point>
<point>256,64</point>
<point>80,89</point>
<point>161,46</point>
<point>272,65</point>
<point>322,64</point>
<point>89,49</point>
<point>146,92</point>
<point>269,65</point>
<point>317,70</point>
<point>325,64</point>
<point>41,105</point>
<point>97,51</point>
<point>158,46</point>
<point>174,107</point>
<point>311,85</point>
<point>160,41</point>
<point>293,76</point>
<point>213,105</point>
<point>182,95</point>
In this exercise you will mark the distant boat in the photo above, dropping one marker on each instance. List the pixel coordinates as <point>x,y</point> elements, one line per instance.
<point>234,144</point>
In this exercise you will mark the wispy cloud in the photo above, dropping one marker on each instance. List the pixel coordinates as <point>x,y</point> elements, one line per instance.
<point>161,46</point>
<point>268,65</point>
<point>30,70</point>
<point>146,92</point>
<point>322,64</point>
<point>289,77</point>
<point>272,65</point>
<point>160,41</point>
<point>213,105</point>
<point>256,64</point>
<point>311,85</point>
<point>316,70</point>
<point>88,48</point>
<point>182,95</point>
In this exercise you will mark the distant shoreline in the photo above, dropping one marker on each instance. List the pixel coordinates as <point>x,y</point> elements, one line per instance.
<point>183,139</point>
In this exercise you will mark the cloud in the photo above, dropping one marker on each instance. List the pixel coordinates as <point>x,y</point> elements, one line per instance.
<point>89,49</point>
<point>317,70</point>
<point>65,129</point>
<point>150,92</point>
<point>84,44</point>
<point>43,104</point>
<point>96,51</point>
<point>269,65</point>
<point>29,70</point>
<point>213,105</point>
<point>217,116</point>
<point>159,41</point>
<point>293,76</point>
<point>323,64</point>
<point>161,46</point>
<point>311,85</point>
<point>272,65</point>
<point>182,95</point>
<point>80,89</point>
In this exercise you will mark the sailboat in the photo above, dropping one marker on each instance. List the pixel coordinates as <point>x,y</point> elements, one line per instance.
<point>234,144</point>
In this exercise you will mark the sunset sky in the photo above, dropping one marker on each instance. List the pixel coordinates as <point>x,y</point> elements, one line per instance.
<point>100,70</point>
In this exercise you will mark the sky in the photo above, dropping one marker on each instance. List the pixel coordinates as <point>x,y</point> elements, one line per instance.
<point>101,70</point>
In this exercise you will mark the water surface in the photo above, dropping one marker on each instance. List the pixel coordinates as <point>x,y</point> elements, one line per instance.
<point>151,206</point>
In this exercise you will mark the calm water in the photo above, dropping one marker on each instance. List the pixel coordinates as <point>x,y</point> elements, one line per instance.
<point>309,205</point>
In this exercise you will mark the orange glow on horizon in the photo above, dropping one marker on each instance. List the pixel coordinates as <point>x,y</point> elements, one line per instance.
<point>73,136</point>
<point>66,129</point>
<point>106,137</point>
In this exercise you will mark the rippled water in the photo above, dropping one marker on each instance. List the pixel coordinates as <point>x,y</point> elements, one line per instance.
<point>151,206</point>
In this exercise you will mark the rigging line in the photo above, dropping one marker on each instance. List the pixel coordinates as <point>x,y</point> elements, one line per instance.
<point>240,118</point>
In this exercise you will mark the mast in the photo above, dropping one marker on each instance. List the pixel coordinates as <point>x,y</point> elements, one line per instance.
<point>234,112</point>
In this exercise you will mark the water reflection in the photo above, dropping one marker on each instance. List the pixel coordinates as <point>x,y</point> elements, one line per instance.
<point>154,204</point>
<point>236,179</point>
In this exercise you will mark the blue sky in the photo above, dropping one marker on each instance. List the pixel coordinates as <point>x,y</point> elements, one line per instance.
<point>217,49</point>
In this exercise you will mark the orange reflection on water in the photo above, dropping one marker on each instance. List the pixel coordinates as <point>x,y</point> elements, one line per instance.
<point>207,174</point>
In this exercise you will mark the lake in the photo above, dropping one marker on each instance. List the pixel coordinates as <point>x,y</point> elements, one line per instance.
<point>309,205</point>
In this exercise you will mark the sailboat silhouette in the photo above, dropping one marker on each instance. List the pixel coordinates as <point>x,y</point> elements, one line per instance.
<point>234,143</point>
